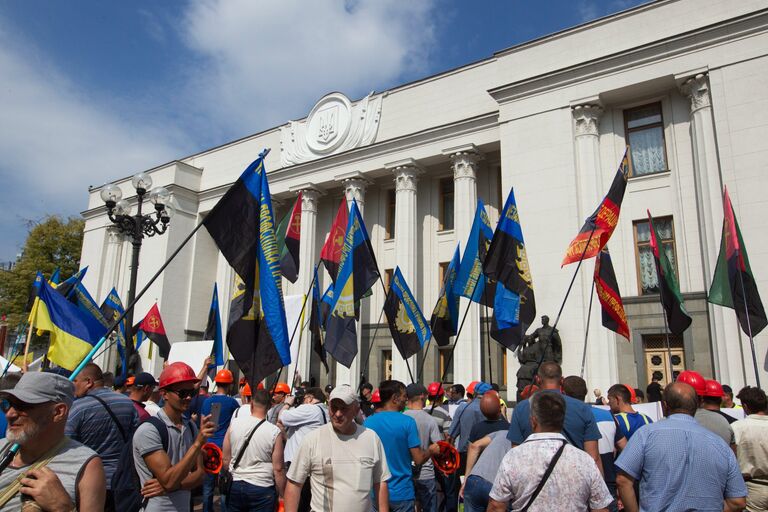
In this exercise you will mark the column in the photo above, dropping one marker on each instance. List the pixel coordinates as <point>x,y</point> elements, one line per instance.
<point>601,369</point>
<point>406,174</point>
<point>354,185</point>
<point>709,189</point>
<point>310,196</point>
<point>465,162</point>
<point>109,278</point>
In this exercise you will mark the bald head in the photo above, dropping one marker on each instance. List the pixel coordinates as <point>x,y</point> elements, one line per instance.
<point>490,405</point>
<point>550,375</point>
<point>680,398</point>
<point>92,371</point>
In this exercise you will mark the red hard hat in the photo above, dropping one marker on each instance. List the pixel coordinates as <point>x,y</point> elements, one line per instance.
<point>528,390</point>
<point>246,390</point>
<point>632,394</point>
<point>435,389</point>
<point>375,396</point>
<point>448,460</point>
<point>471,387</point>
<point>259,386</point>
<point>224,376</point>
<point>695,380</point>
<point>714,389</point>
<point>282,387</point>
<point>177,372</point>
<point>213,458</point>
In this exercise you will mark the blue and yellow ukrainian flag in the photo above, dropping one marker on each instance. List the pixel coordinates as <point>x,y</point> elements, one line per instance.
<point>73,331</point>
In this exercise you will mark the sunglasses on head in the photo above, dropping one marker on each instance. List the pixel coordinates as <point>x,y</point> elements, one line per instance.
<point>184,393</point>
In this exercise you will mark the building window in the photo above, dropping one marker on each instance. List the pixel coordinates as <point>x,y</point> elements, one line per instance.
<point>644,127</point>
<point>646,267</point>
<point>446,204</point>
<point>390,227</point>
<point>388,273</point>
<point>443,268</point>
<point>386,365</point>
<point>445,354</point>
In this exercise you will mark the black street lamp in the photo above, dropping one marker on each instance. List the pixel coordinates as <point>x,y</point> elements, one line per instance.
<point>137,227</point>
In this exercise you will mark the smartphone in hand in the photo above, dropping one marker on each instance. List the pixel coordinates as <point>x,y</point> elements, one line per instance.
<point>215,413</point>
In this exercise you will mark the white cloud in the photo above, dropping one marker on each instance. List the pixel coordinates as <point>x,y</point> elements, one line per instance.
<point>267,61</point>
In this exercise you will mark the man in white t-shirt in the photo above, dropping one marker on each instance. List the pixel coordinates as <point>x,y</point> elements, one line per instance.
<point>343,460</point>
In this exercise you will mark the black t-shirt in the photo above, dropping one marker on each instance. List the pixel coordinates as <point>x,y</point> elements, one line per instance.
<point>485,427</point>
<point>654,392</point>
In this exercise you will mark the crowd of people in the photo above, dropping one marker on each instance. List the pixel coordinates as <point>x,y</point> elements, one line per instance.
<point>98,443</point>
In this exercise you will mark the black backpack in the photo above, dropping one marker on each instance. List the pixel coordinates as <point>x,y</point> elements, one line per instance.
<point>126,487</point>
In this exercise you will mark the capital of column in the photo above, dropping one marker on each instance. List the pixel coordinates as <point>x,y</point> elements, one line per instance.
<point>406,173</point>
<point>355,185</point>
<point>310,195</point>
<point>464,161</point>
<point>697,90</point>
<point>114,236</point>
<point>587,119</point>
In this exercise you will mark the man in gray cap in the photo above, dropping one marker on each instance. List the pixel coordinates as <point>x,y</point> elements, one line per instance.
<point>58,473</point>
<point>344,461</point>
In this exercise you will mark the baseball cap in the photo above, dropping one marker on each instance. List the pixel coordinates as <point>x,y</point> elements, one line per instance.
<point>345,393</point>
<point>41,387</point>
<point>415,389</point>
<point>144,379</point>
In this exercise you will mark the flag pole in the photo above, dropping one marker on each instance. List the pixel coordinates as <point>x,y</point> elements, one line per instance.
<point>26,350</point>
<point>420,373</point>
<point>407,364</point>
<point>487,333</point>
<point>368,353</point>
<point>586,332</point>
<point>749,328</point>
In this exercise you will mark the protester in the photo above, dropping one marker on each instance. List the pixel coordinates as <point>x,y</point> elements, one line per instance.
<point>628,421</point>
<point>579,425</point>
<point>259,476</point>
<point>728,402</point>
<point>456,395</point>
<point>400,436</point>
<point>483,461</point>
<point>574,482</point>
<point>278,402</point>
<point>423,475</point>
<point>436,408</point>
<point>366,390</point>
<point>680,464</point>
<point>152,406</point>
<point>752,446</point>
<point>490,406</point>
<point>8,381</point>
<point>142,389</point>
<point>709,415</point>
<point>344,462</point>
<point>102,420</point>
<point>228,406</point>
<point>196,405</point>
<point>73,479</point>
<point>109,379</point>
<point>167,477</point>
<point>119,385</point>
<point>653,390</point>
<point>640,396</point>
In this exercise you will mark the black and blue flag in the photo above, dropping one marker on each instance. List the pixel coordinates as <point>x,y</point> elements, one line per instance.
<point>445,315</point>
<point>111,309</point>
<point>213,329</point>
<point>409,329</point>
<point>470,282</point>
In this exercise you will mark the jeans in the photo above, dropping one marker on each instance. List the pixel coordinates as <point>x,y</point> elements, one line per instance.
<point>209,489</point>
<point>401,506</point>
<point>245,497</point>
<point>476,494</point>
<point>426,494</point>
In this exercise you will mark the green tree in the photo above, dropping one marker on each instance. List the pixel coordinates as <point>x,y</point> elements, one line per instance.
<point>53,242</point>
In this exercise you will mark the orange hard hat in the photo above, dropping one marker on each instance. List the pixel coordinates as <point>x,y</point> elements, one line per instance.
<point>213,458</point>
<point>177,372</point>
<point>130,381</point>
<point>243,381</point>
<point>259,386</point>
<point>435,389</point>
<point>694,379</point>
<point>376,396</point>
<point>471,387</point>
<point>282,387</point>
<point>246,390</point>
<point>632,394</point>
<point>713,388</point>
<point>448,460</point>
<point>224,376</point>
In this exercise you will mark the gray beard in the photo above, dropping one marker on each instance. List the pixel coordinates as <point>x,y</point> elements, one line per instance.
<point>28,434</point>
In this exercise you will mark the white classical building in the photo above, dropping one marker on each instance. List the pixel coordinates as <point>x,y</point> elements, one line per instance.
<point>682,82</point>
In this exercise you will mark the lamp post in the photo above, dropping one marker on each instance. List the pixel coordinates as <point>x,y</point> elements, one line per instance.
<point>137,227</point>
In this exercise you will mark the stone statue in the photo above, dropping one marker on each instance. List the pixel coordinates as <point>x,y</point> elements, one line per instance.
<point>542,345</point>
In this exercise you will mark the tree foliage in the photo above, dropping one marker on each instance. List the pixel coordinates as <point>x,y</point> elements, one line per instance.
<point>53,243</point>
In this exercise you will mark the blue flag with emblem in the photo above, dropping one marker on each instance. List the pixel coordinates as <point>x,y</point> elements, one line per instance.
<point>407,324</point>
<point>470,281</point>
<point>111,309</point>
<point>445,315</point>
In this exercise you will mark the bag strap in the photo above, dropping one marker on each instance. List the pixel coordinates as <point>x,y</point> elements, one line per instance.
<point>544,478</point>
<point>322,411</point>
<point>13,488</point>
<point>241,451</point>
<point>111,415</point>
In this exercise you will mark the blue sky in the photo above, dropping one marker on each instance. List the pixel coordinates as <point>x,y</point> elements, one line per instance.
<point>95,90</point>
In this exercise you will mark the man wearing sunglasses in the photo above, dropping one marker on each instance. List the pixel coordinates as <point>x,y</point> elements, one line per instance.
<point>73,476</point>
<point>168,476</point>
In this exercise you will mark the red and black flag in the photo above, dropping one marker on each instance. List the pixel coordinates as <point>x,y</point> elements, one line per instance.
<point>600,225</point>
<point>614,317</point>
<point>733,284</point>
<point>153,328</point>
<point>330,254</point>
<point>288,233</point>
<point>678,319</point>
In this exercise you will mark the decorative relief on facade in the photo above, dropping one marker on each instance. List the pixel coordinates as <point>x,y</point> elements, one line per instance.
<point>464,165</point>
<point>309,199</point>
<point>697,89</point>
<point>406,177</point>
<point>354,188</point>
<point>334,125</point>
<point>587,119</point>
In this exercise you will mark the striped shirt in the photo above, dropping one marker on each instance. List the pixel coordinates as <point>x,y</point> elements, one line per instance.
<point>681,466</point>
<point>90,424</point>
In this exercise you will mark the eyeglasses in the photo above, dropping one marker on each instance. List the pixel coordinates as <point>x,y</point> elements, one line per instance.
<point>6,404</point>
<point>184,393</point>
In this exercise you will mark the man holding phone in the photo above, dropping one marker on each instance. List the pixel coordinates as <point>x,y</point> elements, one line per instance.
<point>221,407</point>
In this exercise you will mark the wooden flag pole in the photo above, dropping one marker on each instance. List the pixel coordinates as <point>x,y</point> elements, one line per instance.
<point>24,367</point>
<point>586,333</point>
<point>749,329</point>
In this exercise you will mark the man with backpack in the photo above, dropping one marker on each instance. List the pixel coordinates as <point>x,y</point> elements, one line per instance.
<point>168,457</point>
<point>101,419</point>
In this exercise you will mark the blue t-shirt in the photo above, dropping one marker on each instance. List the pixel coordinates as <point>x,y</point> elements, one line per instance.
<point>579,423</point>
<point>398,434</point>
<point>228,407</point>
<point>629,422</point>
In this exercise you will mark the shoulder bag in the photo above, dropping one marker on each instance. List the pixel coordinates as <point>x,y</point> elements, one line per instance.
<point>225,475</point>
